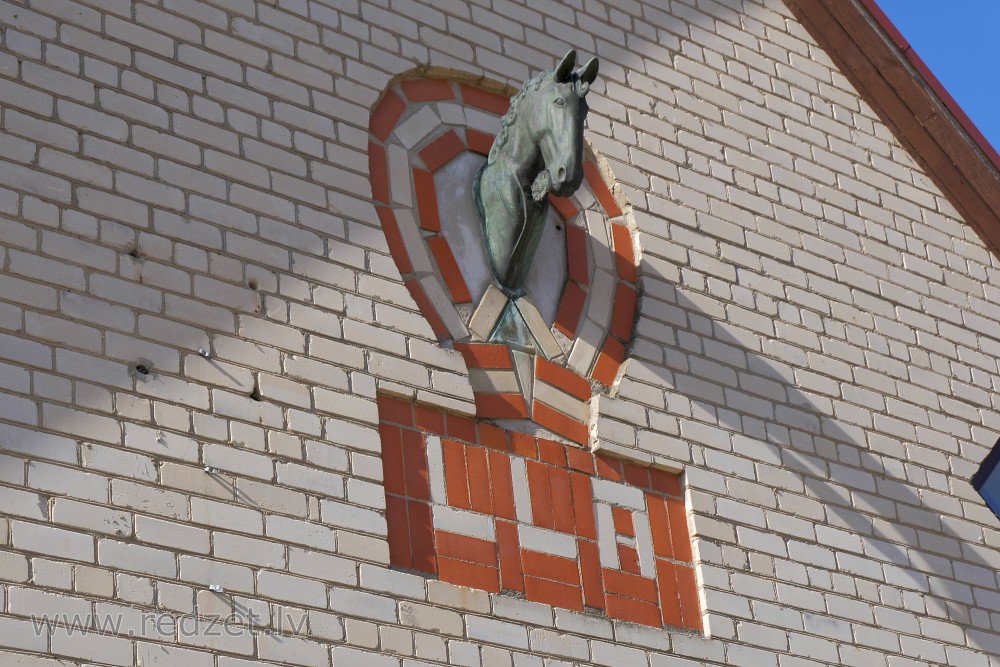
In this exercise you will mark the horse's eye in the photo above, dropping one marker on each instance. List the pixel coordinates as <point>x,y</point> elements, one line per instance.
<point>560,101</point>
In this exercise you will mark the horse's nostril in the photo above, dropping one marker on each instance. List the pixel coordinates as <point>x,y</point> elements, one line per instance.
<point>562,174</point>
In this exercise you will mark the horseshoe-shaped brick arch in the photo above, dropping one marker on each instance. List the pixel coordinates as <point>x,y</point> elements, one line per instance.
<point>467,500</point>
<point>418,127</point>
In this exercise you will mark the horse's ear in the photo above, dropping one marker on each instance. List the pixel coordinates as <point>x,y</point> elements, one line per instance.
<point>565,66</point>
<point>588,72</point>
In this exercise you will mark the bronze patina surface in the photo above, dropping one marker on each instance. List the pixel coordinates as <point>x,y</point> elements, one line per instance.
<point>539,150</point>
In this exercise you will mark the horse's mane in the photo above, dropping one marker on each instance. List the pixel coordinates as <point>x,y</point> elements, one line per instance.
<point>510,117</point>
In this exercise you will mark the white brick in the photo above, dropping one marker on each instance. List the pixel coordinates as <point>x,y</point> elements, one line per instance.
<point>171,534</point>
<point>230,459</point>
<point>161,655</point>
<point>293,589</point>
<point>149,499</point>
<point>365,605</point>
<point>211,572</point>
<point>351,657</point>
<point>295,531</point>
<point>497,632</point>
<point>91,517</point>
<point>221,515</point>
<point>37,538</point>
<point>334,568</point>
<point>463,523</point>
<point>291,649</point>
<point>136,558</point>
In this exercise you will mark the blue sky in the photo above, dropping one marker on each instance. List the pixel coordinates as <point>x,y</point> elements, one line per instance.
<point>959,40</point>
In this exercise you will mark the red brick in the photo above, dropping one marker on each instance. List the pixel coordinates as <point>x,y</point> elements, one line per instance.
<point>679,529</point>
<point>492,437</point>
<point>427,204</point>
<point>485,355</point>
<point>385,115</point>
<point>398,532</point>
<point>629,585</point>
<point>449,269</point>
<point>479,142</point>
<point>479,98</point>
<point>394,240</point>
<point>440,151</point>
<point>562,500</point>
<point>623,521</point>
<point>580,459</point>
<point>500,406</point>
<point>422,536</point>
<point>501,485</point>
<point>509,550</point>
<point>429,420</point>
<point>659,525</point>
<point>541,498</point>
<point>590,571</point>
<point>427,90</point>
<point>583,505</point>
<point>415,465</point>
<point>455,475</point>
<point>624,253</point>
<point>461,547</point>
<point>570,309</point>
<point>550,451</point>
<point>608,362</point>
<point>547,566</point>
<point>394,410</point>
<point>665,482</point>
<point>628,558</point>
<point>424,304</point>
<point>479,480</point>
<point>636,475</point>
<point>522,444</point>
<point>670,604</point>
<point>609,468</point>
<point>392,459</point>
<point>576,255</point>
<point>566,210</point>
<point>378,172</point>
<point>687,591</point>
<point>564,596</point>
<point>559,423</point>
<point>623,312</point>
<point>635,611</point>
<point>562,378</point>
<point>461,428</point>
<point>463,573</point>
<point>600,189</point>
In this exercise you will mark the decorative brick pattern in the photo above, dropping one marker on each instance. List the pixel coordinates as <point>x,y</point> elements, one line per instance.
<point>431,142</point>
<point>520,514</point>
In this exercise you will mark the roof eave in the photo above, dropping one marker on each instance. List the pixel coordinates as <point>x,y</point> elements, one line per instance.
<point>910,100</point>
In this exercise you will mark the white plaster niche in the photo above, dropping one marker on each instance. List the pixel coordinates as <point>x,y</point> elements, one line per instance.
<point>462,228</point>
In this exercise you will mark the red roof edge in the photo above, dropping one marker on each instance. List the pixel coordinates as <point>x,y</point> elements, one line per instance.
<point>895,82</point>
<point>932,81</point>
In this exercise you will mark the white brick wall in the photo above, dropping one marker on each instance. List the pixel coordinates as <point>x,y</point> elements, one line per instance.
<point>816,345</point>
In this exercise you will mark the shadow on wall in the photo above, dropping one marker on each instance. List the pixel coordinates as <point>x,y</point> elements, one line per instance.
<point>863,503</point>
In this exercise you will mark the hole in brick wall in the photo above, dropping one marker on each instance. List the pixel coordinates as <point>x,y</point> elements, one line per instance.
<point>133,251</point>
<point>255,393</point>
<point>252,283</point>
<point>141,369</point>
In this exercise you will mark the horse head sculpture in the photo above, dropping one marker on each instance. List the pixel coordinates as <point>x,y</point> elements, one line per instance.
<point>539,150</point>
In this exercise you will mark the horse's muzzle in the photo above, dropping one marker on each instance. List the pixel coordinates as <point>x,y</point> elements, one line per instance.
<point>563,186</point>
